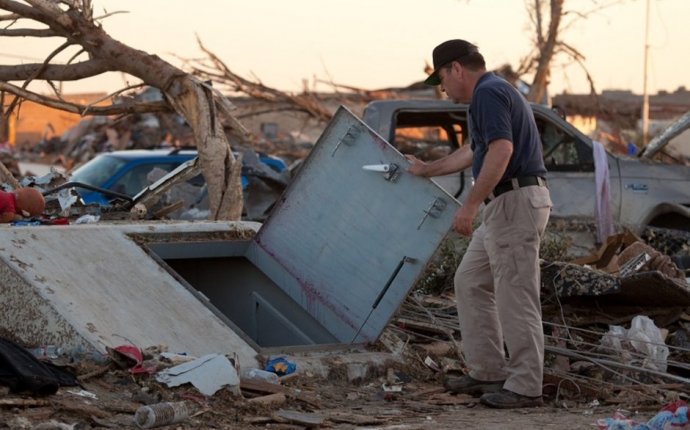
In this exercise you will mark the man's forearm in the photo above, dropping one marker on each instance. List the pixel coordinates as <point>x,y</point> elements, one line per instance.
<point>494,165</point>
<point>459,160</point>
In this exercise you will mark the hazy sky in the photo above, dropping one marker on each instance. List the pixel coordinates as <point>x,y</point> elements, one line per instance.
<point>383,43</point>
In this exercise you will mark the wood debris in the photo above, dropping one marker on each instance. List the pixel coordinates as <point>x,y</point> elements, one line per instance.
<point>580,369</point>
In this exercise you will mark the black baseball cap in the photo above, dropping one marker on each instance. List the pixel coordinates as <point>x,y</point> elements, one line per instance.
<point>447,52</point>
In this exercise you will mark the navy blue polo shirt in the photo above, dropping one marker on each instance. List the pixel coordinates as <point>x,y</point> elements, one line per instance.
<point>499,111</point>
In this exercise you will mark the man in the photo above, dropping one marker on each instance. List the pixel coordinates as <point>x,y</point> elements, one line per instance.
<point>497,282</point>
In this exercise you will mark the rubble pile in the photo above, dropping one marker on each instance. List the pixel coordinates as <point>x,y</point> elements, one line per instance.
<point>133,388</point>
<point>616,324</point>
<point>160,130</point>
<point>616,332</point>
<point>98,134</point>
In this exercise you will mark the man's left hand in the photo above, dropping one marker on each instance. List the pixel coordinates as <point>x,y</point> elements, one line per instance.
<point>462,223</point>
<point>417,167</point>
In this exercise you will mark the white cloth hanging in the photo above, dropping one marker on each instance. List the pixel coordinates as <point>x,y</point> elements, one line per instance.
<point>602,201</point>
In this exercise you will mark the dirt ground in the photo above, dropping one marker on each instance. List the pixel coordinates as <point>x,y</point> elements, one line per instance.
<point>111,400</point>
<point>491,419</point>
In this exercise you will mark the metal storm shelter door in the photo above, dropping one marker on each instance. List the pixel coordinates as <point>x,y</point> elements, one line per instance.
<point>352,232</point>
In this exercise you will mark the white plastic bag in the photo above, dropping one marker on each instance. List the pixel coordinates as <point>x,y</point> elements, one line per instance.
<point>642,338</point>
<point>646,338</point>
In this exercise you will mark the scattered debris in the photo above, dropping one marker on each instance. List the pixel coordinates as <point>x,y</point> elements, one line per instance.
<point>616,323</point>
<point>208,374</point>
<point>673,415</point>
<point>161,414</point>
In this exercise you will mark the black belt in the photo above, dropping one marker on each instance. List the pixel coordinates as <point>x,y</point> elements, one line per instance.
<point>514,184</point>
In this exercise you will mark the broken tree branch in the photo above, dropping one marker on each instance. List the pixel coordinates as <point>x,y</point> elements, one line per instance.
<point>26,83</point>
<point>110,96</point>
<point>117,109</point>
<point>23,10</point>
<point>27,32</point>
<point>218,70</point>
<point>55,72</point>
<point>109,14</point>
<point>10,17</point>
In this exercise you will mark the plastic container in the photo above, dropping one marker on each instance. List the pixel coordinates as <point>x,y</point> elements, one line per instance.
<point>280,366</point>
<point>48,351</point>
<point>259,375</point>
<point>161,414</point>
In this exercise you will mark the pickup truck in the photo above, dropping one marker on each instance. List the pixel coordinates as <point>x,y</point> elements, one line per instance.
<point>643,192</point>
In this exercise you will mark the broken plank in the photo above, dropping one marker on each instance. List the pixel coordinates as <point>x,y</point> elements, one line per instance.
<point>292,377</point>
<point>274,399</point>
<point>269,388</point>
<point>168,209</point>
<point>81,409</point>
<point>451,399</point>
<point>426,393</point>
<point>23,402</point>
<point>302,418</point>
<point>356,419</point>
<point>257,420</point>
<point>422,326</point>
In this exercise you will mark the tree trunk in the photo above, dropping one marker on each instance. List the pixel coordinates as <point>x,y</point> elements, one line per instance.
<point>541,77</point>
<point>4,120</point>
<point>219,166</point>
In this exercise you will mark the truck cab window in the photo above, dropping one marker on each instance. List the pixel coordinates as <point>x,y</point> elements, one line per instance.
<point>428,136</point>
<point>425,143</point>
<point>562,151</point>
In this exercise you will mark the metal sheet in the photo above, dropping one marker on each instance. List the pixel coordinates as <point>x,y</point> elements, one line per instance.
<point>352,240</point>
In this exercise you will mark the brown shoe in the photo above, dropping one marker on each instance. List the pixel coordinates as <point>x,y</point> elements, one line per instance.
<point>466,384</point>
<point>505,399</point>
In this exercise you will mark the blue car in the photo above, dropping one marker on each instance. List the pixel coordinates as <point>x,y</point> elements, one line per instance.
<point>125,172</point>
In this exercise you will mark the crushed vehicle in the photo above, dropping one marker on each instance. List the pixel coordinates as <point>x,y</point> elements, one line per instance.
<point>123,172</point>
<point>643,192</point>
<point>119,177</point>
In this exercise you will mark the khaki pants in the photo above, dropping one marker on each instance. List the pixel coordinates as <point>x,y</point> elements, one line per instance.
<point>497,288</point>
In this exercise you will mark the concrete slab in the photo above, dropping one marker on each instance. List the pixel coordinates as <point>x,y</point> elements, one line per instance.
<point>91,286</point>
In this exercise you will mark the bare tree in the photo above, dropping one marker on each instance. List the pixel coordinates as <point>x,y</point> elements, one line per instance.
<point>311,104</point>
<point>548,42</point>
<point>73,22</point>
<point>213,68</point>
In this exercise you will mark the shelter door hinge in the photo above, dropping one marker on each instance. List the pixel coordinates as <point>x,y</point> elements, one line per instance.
<point>434,211</point>
<point>350,136</point>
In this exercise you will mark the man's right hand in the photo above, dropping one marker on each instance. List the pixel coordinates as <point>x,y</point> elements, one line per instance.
<point>417,167</point>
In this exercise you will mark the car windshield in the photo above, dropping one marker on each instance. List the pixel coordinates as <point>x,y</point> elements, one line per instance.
<point>98,170</point>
